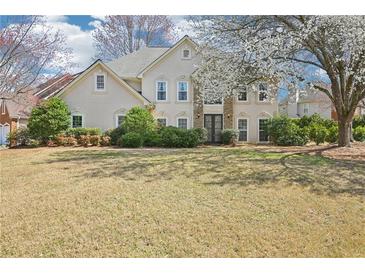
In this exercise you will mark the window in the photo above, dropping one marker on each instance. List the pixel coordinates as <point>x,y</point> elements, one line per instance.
<point>186,54</point>
<point>162,122</point>
<point>306,108</point>
<point>242,96</point>
<point>182,123</point>
<point>263,93</point>
<point>3,107</point>
<point>100,82</point>
<point>211,98</point>
<point>119,120</point>
<point>242,129</point>
<point>161,91</point>
<point>77,121</point>
<point>263,134</point>
<point>182,91</point>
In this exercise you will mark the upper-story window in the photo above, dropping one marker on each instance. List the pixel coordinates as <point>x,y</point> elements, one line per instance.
<point>161,91</point>
<point>182,91</point>
<point>100,82</point>
<point>186,54</point>
<point>242,95</point>
<point>263,95</point>
<point>211,98</point>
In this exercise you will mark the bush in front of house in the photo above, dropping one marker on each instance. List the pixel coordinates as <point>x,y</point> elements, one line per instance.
<point>179,137</point>
<point>229,136</point>
<point>114,134</point>
<point>49,119</point>
<point>358,121</point>
<point>84,140</point>
<point>20,136</point>
<point>139,120</point>
<point>105,140</point>
<point>152,139</point>
<point>131,140</point>
<point>359,133</point>
<point>94,140</point>
<point>332,134</point>
<point>317,133</point>
<point>284,131</point>
<point>202,134</point>
<point>77,132</point>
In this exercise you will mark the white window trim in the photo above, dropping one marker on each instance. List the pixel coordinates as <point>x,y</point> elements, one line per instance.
<point>248,125</point>
<point>116,118</point>
<point>305,106</point>
<point>96,79</point>
<point>3,107</point>
<point>183,117</point>
<point>157,91</point>
<point>258,130</point>
<point>82,119</point>
<point>187,91</point>
<point>182,54</point>
<point>167,120</point>
<point>267,100</point>
<point>242,101</point>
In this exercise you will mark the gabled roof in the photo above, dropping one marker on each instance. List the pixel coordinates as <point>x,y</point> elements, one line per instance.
<point>167,52</point>
<point>19,105</point>
<point>129,66</point>
<point>111,72</point>
<point>54,86</point>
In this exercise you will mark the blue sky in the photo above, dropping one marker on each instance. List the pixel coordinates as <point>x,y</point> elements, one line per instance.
<point>78,32</point>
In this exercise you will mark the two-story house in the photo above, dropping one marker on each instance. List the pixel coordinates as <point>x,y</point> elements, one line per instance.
<point>101,95</point>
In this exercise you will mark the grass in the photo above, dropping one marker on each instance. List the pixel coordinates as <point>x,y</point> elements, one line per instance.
<point>209,202</point>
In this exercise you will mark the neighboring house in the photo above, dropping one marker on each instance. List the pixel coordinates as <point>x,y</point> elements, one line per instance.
<point>101,95</point>
<point>307,104</point>
<point>14,112</point>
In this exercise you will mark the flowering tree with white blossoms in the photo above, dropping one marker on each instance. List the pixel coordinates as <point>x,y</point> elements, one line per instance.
<point>323,53</point>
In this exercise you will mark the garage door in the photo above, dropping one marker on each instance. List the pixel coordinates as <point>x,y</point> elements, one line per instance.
<point>4,131</point>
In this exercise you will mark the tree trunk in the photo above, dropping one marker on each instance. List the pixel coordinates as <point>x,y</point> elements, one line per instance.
<point>344,129</point>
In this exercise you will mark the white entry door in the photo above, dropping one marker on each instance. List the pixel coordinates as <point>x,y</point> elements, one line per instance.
<point>4,131</point>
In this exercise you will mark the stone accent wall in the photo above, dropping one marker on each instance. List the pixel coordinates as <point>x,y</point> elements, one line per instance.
<point>198,111</point>
<point>228,112</point>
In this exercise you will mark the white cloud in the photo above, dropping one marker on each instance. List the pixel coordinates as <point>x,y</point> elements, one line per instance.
<point>79,40</point>
<point>182,27</point>
<point>98,17</point>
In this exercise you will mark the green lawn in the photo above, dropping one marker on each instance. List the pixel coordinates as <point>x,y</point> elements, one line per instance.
<point>207,202</point>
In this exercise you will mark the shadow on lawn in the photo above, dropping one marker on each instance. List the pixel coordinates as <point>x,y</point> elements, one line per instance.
<point>223,167</point>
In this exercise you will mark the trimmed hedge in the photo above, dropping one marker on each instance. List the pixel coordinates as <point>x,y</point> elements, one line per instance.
<point>180,138</point>
<point>229,136</point>
<point>358,121</point>
<point>359,133</point>
<point>77,132</point>
<point>131,139</point>
<point>284,131</point>
<point>115,134</point>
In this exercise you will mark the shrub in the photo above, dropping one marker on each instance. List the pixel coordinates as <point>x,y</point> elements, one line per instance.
<point>105,140</point>
<point>332,134</point>
<point>139,120</point>
<point>317,133</point>
<point>77,132</point>
<point>94,140</point>
<point>60,140</point>
<point>49,119</point>
<point>152,139</point>
<point>229,136</point>
<point>284,131</point>
<point>190,138</point>
<point>84,140</point>
<point>34,143</point>
<point>358,121</point>
<point>202,134</point>
<point>170,136</point>
<point>359,133</point>
<point>115,134</point>
<point>51,143</point>
<point>131,139</point>
<point>23,136</point>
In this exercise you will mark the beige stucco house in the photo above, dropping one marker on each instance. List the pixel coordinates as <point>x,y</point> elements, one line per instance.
<point>307,103</point>
<point>101,95</point>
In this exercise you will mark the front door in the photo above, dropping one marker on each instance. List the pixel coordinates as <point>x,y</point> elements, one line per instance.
<point>214,125</point>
